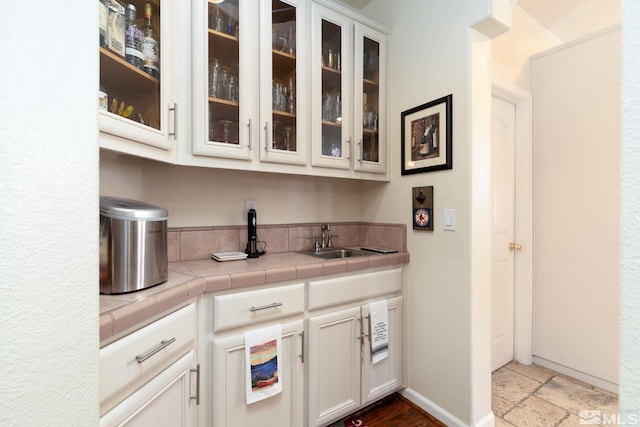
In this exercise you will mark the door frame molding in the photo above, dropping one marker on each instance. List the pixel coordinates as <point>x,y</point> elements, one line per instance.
<point>523,304</point>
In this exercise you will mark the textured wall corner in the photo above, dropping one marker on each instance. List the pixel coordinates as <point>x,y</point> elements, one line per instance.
<point>49,216</point>
<point>630,291</point>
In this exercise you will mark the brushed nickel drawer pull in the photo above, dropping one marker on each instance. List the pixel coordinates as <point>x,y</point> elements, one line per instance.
<point>197,396</point>
<point>174,109</point>
<point>163,344</point>
<point>264,307</point>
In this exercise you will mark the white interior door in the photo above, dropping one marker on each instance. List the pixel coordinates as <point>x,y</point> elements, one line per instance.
<point>503,262</point>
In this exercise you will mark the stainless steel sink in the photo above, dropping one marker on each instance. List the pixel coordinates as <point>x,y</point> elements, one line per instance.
<point>338,253</point>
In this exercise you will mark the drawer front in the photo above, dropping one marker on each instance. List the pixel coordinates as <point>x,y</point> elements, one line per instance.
<point>133,360</point>
<point>325,293</point>
<point>244,308</point>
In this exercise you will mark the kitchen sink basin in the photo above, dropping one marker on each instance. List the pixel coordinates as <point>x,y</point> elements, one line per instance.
<point>338,253</point>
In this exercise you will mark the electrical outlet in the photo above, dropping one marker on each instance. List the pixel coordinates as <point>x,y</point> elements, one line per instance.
<point>249,204</point>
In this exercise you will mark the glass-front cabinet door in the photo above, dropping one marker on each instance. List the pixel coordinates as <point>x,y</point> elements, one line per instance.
<point>370,99</point>
<point>331,98</point>
<point>136,98</point>
<point>283,103</point>
<point>224,78</point>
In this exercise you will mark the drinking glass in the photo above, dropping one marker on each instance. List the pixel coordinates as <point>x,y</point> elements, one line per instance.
<point>233,88</point>
<point>288,137</point>
<point>226,130</point>
<point>275,135</point>
<point>214,77</point>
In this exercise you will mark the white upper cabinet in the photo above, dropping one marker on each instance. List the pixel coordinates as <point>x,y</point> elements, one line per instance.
<point>249,84</point>
<point>283,81</point>
<point>331,97</point>
<point>138,104</point>
<point>225,82</point>
<point>285,86</point>
<point>370,99</point>
<point>348,69</point>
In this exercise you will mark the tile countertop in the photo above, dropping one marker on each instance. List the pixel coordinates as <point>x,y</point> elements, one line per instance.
<point>121,314</point>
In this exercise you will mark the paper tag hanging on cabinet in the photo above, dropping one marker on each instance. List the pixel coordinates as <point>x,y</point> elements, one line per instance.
<point>422,202</point>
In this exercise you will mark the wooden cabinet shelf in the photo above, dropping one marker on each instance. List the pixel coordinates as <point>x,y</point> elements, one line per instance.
<point>126,83</point>
<point>112,67</point>
<point>370,83</point>
<point>332,124</point>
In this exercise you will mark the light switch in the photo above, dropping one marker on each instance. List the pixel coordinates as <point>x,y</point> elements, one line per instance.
<point>449,219</point>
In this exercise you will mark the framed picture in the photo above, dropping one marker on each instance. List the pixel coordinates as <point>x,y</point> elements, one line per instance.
<point>426,137</point>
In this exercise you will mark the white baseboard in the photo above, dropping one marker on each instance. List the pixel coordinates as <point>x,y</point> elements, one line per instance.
<point>590,379</point>
<point>441,414</point>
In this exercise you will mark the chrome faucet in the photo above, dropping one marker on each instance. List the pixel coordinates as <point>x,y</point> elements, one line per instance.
<point>323,240</point>
<point>327,236</point>
<point>316,242</point>
<point>323,228</point>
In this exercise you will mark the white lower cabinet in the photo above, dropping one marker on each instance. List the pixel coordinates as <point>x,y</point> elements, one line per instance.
<point>224,319</point>
<point>163,401</point>
<point>334,365</point>
<point>229,392</point>
<point>150,376</point>
<point>341,377</point>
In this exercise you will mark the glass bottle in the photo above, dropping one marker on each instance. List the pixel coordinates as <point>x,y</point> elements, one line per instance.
<point>133,39</point>
<point>151,46</point>
<point>103,22</point>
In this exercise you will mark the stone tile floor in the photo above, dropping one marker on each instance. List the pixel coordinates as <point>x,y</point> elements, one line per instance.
<point>530,395</point>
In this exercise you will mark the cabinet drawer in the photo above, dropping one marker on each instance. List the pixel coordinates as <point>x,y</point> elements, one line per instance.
<point>325,293</point>
<point>133,360</point>
<point>243,308</point>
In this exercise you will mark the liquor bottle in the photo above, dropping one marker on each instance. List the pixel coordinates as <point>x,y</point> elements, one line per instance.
<point>103,21</point>
<point>116,26</point>
<point>133,39</point>
<point>151,46</point>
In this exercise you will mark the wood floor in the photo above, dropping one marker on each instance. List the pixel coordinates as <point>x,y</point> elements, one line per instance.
<point>395,411</point>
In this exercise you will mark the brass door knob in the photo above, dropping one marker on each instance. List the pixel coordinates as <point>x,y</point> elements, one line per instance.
<point>514,246</point>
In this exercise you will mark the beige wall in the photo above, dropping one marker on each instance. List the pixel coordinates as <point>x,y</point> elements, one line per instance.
<point>205,196</point>
<point>448,366</point>
<point>576,128</point>
<point>511,51</point>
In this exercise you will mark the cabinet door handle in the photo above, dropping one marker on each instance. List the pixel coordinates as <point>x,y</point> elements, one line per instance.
<point>163,344</point>
<point>197,396</point>
<point>361,150</point>
<point>174,109</point>
<point>265,307</point>
<point>250,141</point>
<point>302,347</point>
<point>266,136</point>
<point>349,146</point>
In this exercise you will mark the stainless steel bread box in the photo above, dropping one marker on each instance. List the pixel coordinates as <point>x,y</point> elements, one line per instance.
<point>133,245</point>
